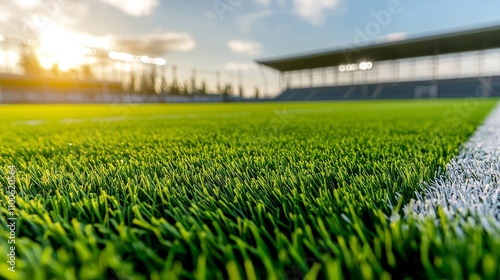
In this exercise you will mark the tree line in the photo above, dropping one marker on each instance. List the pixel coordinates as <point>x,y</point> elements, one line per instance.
<point>149,82</point>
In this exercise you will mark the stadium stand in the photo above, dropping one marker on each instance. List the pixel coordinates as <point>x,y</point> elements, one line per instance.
<point>416,50</point>
<point>452,88</point>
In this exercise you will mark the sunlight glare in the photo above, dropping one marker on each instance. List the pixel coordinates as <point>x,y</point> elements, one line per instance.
<point>27,4</point>
<point>58,47</point>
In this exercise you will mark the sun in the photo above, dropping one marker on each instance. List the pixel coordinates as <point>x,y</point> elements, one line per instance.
<point>61,47</point>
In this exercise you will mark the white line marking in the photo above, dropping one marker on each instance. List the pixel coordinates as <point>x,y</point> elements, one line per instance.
<point>469,189</point>
<point>108,119</point>
<point>132,118</point>
<point>70,121</point>
<point>30,122</point>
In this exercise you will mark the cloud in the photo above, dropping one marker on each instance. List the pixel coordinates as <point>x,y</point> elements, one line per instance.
<point>310,10</point>
<point>15,18</point>
<point>136,8</point>
<point>393,37</point>
<point>26,4</point>
<point>247,21</point>
<point>11,8</point>
<point>240,66</point>
<point>4,15</point>
<point>313,10</point>
<point>245,47</point>
<point>26,19</point>
<point>155,44</point>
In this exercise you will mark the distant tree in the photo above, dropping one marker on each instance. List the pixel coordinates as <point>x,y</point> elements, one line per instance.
<point>257,93</point>
<point>152,81</point>
<point>164,85</point>
<point>29,61</point>
<point>143,86</point>
<point>220,89</point>
<point>148,81</point>
<point>181,88</point>
<point>174,88</point>
<point>86,72</point>
<point>240,91</point>
<point>55,72</point>
<point>185,89</point>
<point>203,88</point>
<point>132,84</point>
<point>228,90</point>
<point>193,88</point>
<point>72,73</point>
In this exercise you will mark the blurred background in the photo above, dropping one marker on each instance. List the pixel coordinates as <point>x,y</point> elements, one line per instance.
<point>60,51</point>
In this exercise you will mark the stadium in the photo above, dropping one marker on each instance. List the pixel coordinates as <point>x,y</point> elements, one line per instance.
<point>378,159</point>
<point>393,70</point>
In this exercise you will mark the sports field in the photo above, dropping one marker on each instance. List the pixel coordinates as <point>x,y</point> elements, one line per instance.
<point>237,191</point>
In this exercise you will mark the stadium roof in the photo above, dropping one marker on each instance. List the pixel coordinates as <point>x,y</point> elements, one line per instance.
<point>470,40</point>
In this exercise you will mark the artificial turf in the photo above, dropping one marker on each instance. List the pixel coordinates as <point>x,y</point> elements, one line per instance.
<point>238,191</point>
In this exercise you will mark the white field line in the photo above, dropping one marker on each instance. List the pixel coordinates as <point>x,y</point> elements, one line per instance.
<point>125,118</point>
<point>469,189</point>
<point>30,122</point>
<point>70,121</point>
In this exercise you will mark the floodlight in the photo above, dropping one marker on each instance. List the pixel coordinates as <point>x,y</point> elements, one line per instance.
<point>365,65</point>
<point>160,61</point>
<point>121,56</point>
<point>351,67</point>
<point>145,59</point>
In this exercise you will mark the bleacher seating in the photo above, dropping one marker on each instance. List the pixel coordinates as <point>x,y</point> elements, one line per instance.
<point>450,88</point>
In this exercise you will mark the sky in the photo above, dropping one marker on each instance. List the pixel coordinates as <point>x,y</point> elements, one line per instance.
<point>228,35</point>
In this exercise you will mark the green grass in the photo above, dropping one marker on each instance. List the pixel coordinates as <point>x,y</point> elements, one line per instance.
<point>255,191</point>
